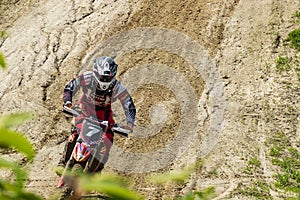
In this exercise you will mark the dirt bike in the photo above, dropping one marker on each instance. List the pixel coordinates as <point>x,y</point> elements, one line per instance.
<point>86,156</point>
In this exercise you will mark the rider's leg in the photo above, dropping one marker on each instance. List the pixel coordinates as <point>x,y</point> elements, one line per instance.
<point>68,148</point>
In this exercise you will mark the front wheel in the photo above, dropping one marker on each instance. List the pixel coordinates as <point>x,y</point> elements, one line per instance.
<point>70,191</point>
<point>66,193</point>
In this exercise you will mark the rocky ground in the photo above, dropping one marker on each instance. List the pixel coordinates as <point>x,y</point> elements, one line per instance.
<point>206,77</point>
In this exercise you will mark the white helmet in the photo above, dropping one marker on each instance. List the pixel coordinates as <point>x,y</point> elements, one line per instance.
<point>105,70</point>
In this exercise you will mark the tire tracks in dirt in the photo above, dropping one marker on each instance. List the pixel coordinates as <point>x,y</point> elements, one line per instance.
<point>62,41</point>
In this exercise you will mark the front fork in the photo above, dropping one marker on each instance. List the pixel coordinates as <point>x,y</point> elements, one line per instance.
<point>94,163</point>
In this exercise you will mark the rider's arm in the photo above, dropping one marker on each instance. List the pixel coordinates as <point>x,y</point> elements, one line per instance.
<point>72,87</point>
<point>121,93</point>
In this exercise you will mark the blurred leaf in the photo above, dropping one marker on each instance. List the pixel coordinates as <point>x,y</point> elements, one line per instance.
<point>9,138</point>
<point>8,121</point>
<point>3,34</point>
<point>108,184</point>
<point>7,186</point>
<point>14,190</point>
<point>28,196</point>
<point>2,61</point>
<point>58,170</point>
<point>19,173</point>
<point>206,194</point>
<point>7,164</point>
<point>177,176</point>
<point>188,196</point>
<point>5,197</point>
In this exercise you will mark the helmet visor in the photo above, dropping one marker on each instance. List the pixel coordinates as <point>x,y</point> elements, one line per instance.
<point>103,78</point>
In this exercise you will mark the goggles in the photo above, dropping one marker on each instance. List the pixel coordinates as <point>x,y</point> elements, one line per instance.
<point>104,78</point>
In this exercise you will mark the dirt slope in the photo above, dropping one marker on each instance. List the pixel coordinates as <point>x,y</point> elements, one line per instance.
<point>202,74</point>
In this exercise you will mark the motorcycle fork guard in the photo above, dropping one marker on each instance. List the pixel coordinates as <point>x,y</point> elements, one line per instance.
<point>94,161</point>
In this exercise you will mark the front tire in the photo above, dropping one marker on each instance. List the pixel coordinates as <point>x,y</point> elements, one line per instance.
<point>70,191</point>
<point>66,193</point>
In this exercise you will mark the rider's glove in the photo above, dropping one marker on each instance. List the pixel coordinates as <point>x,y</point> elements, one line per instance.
<point>129,126</point>
<point>68,104</point>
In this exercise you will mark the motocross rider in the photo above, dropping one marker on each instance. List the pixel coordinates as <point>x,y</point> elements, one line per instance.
<point>100,89</point>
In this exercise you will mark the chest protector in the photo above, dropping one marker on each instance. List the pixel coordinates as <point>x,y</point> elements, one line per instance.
<point>98,97</point>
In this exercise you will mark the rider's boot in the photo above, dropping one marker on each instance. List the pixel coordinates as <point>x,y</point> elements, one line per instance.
<point>69,146</point>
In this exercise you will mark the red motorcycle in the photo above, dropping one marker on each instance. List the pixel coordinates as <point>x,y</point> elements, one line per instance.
<point>86,153</point>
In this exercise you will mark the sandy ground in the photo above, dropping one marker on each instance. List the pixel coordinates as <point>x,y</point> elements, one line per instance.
<point>200,72</point>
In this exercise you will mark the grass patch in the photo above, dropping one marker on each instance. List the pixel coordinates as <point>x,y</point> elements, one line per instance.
<point>283,63</point>
<point>258,190</point>
<point>280,140</point>
<point>205,194</point>
<point>276,151</point>
<point>287,158</point>
<point>297,14</point>
<point>253,166</point>
<point>294,39</point>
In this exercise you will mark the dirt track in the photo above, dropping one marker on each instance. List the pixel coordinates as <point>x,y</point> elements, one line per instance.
<point>50,41</point>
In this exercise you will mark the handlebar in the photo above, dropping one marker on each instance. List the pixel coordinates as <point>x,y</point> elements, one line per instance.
<point>121,131</point>
<point>71,112</point>
<point>115,127</point>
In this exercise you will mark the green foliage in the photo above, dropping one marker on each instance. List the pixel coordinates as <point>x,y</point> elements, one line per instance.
<point>11,120</point>
<point>111,185</point>
<point>20,175</point>
<point>294,39</point>
<point>177,176</point>
<point>12,139</point>
<point>14,190</point>
<point>255,162</point>
<point>3,34</point>
<point>2,61</point>
<point>297,14</point>
<point>289,179</point>
<point>180,177</point>
<point>283,63</point>
<point>206,194</point>
<point>276,151</point>
<point>11,190</point>
<point>279,140</point>
<point>287,159</point>
<point>252,166</point>
<point>258,190</point>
